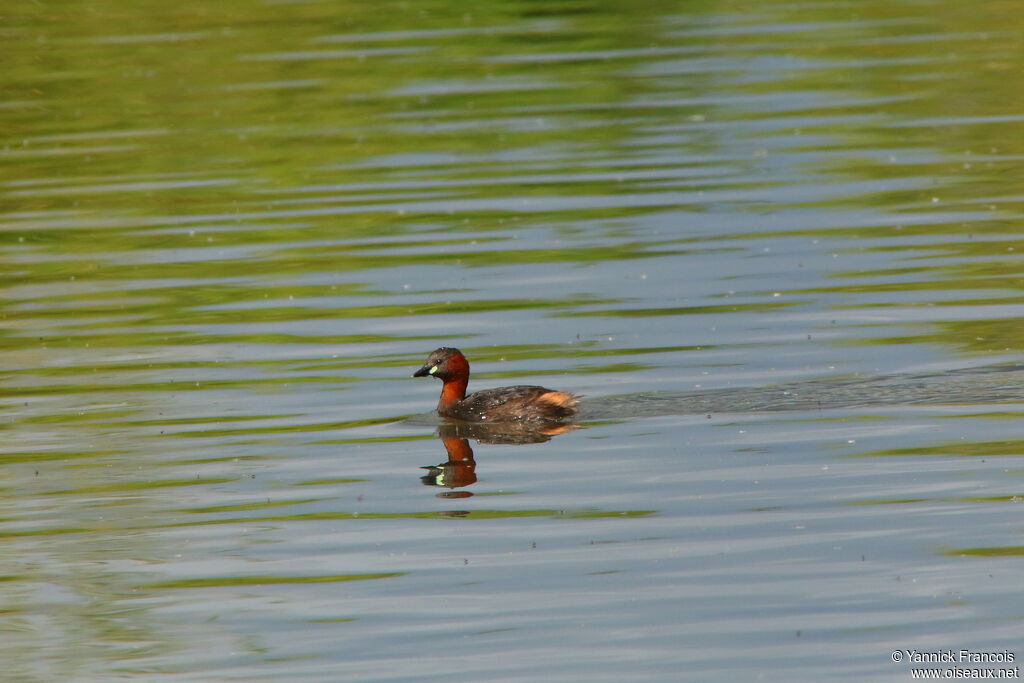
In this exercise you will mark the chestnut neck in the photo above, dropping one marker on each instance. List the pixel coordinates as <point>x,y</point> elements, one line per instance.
<point>455,382</point>
<point>453,391</point>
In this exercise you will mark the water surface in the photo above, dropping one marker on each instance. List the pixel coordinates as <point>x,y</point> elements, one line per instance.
<point>776,246</point>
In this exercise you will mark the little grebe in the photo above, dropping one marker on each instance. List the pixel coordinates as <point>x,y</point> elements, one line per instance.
<point>507,404</point>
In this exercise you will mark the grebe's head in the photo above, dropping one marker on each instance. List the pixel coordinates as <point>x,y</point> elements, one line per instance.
<point>446,364</point>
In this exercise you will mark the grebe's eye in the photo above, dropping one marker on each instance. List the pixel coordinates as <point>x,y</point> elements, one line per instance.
<point>433,369</point>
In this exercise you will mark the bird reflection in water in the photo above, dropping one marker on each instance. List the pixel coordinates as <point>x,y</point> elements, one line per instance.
<point>460,469</point>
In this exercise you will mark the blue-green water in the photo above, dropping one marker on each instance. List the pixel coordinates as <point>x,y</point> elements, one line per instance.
<point>775,245</point>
